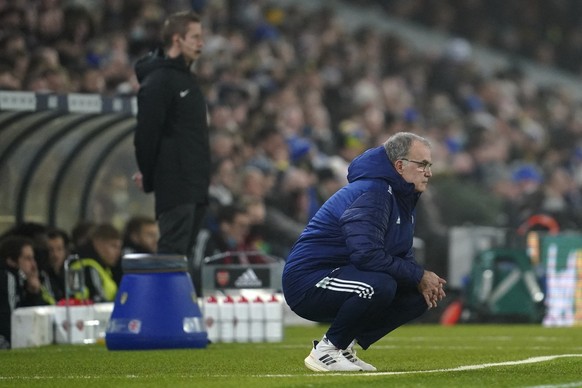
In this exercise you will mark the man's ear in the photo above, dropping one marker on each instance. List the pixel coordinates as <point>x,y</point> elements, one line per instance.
<point>399,166</point>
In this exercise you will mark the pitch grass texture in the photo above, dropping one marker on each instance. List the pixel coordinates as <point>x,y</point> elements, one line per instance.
<point>419,355</point>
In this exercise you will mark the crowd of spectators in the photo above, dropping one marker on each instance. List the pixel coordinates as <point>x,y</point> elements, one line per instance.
<point>548,32</point>
<point>294,96</point>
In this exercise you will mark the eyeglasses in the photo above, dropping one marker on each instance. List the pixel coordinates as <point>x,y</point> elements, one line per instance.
<point>423,166</point>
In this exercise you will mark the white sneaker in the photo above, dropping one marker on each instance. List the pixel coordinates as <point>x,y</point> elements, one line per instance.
<point>350,355</point>
<point>325,357</point>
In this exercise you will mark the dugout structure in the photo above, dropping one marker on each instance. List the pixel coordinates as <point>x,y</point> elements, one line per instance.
<point>67,158</point>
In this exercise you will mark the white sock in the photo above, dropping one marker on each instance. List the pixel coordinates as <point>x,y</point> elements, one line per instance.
<point>325,344</point>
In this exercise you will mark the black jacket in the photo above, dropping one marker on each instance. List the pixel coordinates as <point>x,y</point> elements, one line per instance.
<point>171,138</point>
<point>13,294</point>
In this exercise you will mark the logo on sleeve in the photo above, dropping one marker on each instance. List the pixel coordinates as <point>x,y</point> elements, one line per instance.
<point>184,93</point>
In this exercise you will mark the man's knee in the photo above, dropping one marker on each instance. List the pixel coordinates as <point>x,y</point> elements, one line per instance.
<point>384,289</point>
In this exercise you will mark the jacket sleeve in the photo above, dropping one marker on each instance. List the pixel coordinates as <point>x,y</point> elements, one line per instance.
<point>153,104</point>
<point>7,302</point>
<point>30,299</point>
<point>364,225</point>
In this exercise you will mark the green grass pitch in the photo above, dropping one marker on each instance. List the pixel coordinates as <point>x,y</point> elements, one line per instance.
<point>415,355</point>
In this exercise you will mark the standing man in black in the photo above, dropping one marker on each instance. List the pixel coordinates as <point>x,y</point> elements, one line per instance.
<point>171,139</point>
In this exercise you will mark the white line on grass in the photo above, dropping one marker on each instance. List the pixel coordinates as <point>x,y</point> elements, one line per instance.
<point>81,377</point>
<point>531,360</point>
<point>573,384</point>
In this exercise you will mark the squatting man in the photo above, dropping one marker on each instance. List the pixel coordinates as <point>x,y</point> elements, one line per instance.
<point>353,266</point>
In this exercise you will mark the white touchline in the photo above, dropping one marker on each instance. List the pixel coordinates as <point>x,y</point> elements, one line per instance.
<point>573,384</point>
<point>531,360</point>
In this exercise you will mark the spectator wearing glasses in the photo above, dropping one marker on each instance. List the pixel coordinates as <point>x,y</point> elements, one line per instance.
<point>353,266</point>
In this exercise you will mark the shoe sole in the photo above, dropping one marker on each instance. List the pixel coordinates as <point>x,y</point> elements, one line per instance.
<point>313,366</point>
<point>368,369</point>
<point>310,363</point>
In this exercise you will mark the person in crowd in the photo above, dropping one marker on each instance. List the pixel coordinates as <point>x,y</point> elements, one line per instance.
<point>280,230</point>
<point>171,140</point>
<point>257,212</point>
<point>271,151</point>
<point>234,224</point>
<point>223,182</point>
<point>53,276</point>
<point>20,284</point>
<point>97,258</point>
<point>35,231</point>
<point>80,234</point>
<point>223,189</point>
<point>230,244</point>
<point>296,194</point>
<point>353,266</point>
<point>141,235</point>
<point>327,184</point>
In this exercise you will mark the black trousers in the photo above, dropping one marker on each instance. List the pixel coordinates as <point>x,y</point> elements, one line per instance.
<point>179,228</point>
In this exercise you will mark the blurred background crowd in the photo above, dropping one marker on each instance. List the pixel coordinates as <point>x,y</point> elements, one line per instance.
<point>547,31</point>
<point>294,96</point>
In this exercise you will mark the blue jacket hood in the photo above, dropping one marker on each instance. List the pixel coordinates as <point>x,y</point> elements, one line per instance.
<point>374,163</point>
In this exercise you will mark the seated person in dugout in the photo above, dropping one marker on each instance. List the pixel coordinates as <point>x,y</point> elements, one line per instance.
<point>228,245</point>
<point>20,284</point>
<point>97,258</point>
<point>53,275</point>
<point>141,235</point>
<point>231,239</point>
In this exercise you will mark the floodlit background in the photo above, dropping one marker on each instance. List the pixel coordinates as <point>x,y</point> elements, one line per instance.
<point>297,89</point>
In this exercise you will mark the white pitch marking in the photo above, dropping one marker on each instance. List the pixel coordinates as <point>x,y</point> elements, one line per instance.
<point>531,360</point>
<point>573,384</point>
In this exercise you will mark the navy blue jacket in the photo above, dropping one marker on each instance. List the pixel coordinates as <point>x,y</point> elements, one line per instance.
<point>171,137</point>
<point>369,223</point>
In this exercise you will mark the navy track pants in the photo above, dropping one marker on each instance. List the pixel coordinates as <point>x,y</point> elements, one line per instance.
<point>360,305</point>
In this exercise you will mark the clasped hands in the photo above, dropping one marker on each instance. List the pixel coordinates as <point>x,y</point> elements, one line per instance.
<point>431,288</point>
